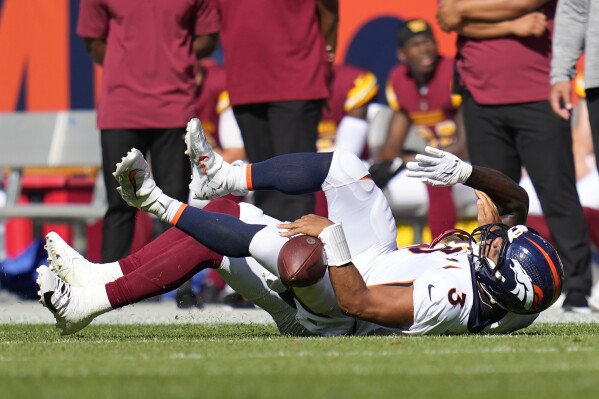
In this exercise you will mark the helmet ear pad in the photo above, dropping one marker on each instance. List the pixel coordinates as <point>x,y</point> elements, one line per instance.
<point>528,276</point>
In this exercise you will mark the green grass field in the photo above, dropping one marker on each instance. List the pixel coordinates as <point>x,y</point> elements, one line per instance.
<point>254,361</point>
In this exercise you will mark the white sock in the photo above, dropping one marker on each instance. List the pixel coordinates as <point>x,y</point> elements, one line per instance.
<point>101,273</point>
<point>93,300</point>
<point>112,270</point>
<point>171,211</point>
<point>236,182</point>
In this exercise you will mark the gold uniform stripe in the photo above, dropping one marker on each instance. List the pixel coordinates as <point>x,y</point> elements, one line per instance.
<point>391,97</point>
<point>223,102</point>
<point>364,90</point>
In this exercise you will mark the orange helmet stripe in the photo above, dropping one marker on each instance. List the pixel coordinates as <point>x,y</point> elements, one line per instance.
<point>557,283</point>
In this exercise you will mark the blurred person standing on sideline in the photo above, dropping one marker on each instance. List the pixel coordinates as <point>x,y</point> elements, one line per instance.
<point>148,51</point>
<point>504,52</point>
<point>215,112</point>
<point>576,28</point>
<point>278,55</point>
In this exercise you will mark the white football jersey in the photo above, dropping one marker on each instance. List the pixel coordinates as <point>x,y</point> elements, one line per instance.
<point>442,278</point>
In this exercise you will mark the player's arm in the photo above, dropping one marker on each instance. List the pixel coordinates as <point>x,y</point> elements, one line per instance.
<point>328,15</point>
<point>396,136</point>
<point>440,168</point>
<point>531,24</point>
<point>391,158</point>
<point>384,305</point>
<point>452,13</point>
<point>511,199</point>
<point>96,49</point>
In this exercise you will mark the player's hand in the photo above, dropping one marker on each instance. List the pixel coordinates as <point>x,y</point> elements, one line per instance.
<point>487,210</point>
<point>560,99</point>
<point>448,17</point>
<point>382,172</point>
<point>310,225</point>
<point>439,168</point>
<point>531,24</point>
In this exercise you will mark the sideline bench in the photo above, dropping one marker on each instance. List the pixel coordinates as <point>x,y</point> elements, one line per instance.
<point>57,141</point>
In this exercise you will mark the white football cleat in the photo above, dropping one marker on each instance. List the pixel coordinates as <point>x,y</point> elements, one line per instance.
<point>137,187</point>
<point>72,267</point>
<point>64,301</point>
<point>209,170</point>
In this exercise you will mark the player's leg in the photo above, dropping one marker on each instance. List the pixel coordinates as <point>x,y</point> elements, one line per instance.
<point>593,106</point>
<point>73,268</point>
<point>294,173</point>
<point>298,173</point>
<point>159,267</point>
<point>250,280</point>
<point>492,144</point>
<point>360,206</point>
<point>317,308</point>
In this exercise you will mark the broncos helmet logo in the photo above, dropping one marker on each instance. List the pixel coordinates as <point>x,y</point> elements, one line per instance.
<point>523,289</point>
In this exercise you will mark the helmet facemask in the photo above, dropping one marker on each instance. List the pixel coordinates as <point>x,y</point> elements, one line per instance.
<point>527,275</point>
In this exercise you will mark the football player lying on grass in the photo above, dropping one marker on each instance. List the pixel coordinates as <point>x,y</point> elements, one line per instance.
<point>496,279</point>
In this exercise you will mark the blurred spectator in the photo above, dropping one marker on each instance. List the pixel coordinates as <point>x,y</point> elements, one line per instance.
<point>148,93</point>
<point>216,114</point>
<point>275,56</point>
<point>576,27</point>
<point>344,121</point>
<point>504,51</point>
<point>587,180</point>
<point>420,92</point>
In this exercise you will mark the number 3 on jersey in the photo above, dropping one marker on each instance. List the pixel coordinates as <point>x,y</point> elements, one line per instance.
<point>455,298</point>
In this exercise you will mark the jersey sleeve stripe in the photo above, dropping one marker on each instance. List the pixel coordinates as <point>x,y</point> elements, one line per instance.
<point>248,177</point>
<point>178,214</point>
<point>364,90</point>
<point>391,97</point>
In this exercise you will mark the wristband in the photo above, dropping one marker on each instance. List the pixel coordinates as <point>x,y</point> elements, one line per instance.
<point>335,245</point>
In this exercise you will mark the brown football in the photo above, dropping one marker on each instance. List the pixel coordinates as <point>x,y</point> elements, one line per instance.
<point>302,261</point>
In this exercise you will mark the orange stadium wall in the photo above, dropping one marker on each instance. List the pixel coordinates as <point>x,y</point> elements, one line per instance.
<point>44,67</point>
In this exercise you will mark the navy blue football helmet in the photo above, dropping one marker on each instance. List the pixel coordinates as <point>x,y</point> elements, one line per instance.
<point>528,275</point>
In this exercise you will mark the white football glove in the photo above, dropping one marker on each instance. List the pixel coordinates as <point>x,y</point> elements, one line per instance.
<point>440,169</point>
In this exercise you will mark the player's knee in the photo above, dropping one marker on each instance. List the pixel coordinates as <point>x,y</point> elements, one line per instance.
<point>346,167</point>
